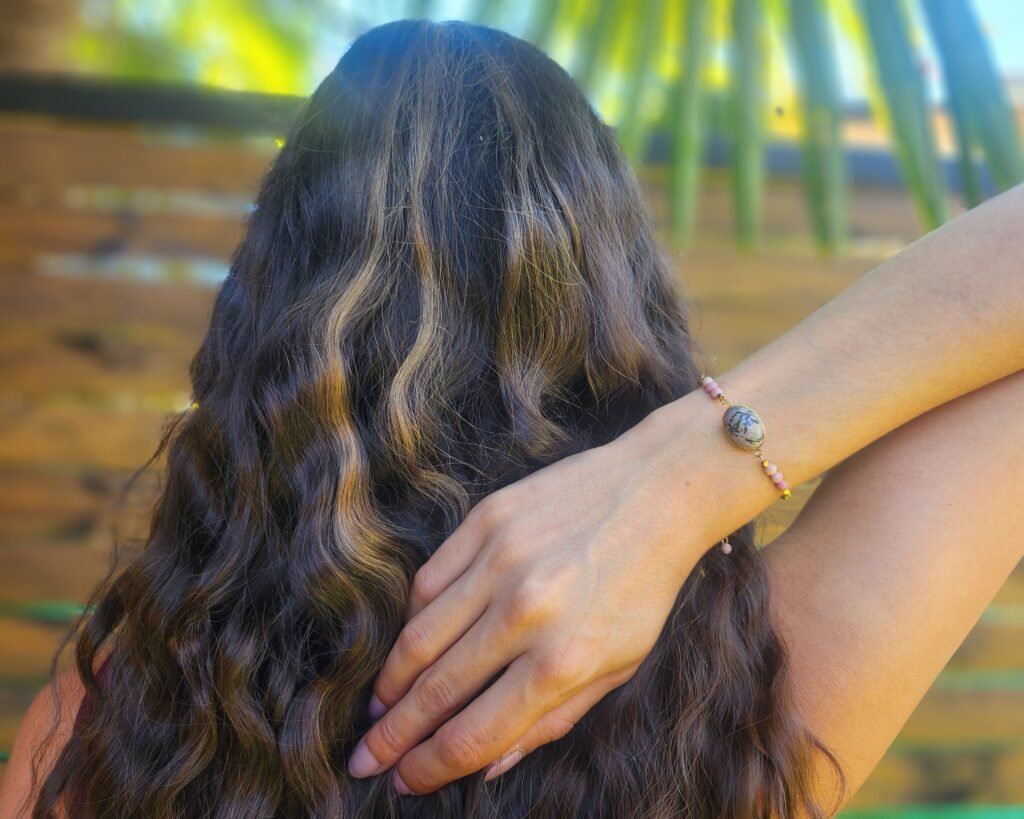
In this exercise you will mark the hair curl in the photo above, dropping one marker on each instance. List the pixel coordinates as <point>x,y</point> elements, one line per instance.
<point>450,280</point>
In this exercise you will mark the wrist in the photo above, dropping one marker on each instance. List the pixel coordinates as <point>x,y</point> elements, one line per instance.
<point>705,486</point>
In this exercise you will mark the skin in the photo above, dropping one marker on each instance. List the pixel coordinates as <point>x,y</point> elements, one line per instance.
<point>898,387</point>
<point>46,708</point>
<point>543,593</point>
<point>871,627</point>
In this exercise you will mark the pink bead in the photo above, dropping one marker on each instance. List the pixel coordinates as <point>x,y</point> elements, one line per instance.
<point>782,486</point>
<point>707,379</point>
<point>709,385</point>
<point>777,478</point>
<point>727,547</point>
<point>716,391</point>
<point>771,469</point>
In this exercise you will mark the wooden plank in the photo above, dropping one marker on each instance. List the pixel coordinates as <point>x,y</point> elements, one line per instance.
<point>79,435</point>
<point>59,514</point>
<point>48,155</point>
<point>1012,592</point>
<point>740,302</point>
<point>163,102</point>
<point>27,651</point>
<point>28,228</point>
<point>997,642</point>
<point>99,340</point>
<point>877,213</point>
<point>952,774</point>
<point>968,715</point>
<point>30,516</point>
<point>86,298</point>
<point>936,812</point>
<point>31,572</point>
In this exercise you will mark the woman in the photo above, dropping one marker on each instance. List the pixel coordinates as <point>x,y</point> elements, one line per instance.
<point>449,323</point>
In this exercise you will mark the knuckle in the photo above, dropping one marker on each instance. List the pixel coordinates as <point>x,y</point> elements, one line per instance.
<point>529,604</point>
<point>625,675</point>
<point>458,749</point>
<point>557,671</point>
<point>414,642</point>
<point>385,690</point>
<point>437,695</point>
<point>490,510</point>
<point>500,557</point>
<point>413,777</point>
<point>424,584</point>
<point>583,662</point>
<point>556,729</point>
<point>384,740</point>
<point>517,611</point>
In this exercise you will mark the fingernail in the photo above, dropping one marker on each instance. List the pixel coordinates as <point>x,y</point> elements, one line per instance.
<point>377,708</point>
<point>362,762</point>
<point>503,764</point>
<point>400,786</point>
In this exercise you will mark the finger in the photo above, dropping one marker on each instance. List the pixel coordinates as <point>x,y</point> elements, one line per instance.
<point>481,731</point>
<point>446,565</point>
<point>557,723</point>
<point>426,637</point>
<point>437,694</point>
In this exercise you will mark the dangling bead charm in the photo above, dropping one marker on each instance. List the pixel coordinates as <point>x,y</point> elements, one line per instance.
<point>726,546</point>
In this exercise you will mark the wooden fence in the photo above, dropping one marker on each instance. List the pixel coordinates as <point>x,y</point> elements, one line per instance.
<point>113,236</point>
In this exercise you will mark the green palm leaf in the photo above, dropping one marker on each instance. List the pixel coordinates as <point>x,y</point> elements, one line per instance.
<point>977,97</point>
<point>687,106</point>
<point>900,79</point>
<point>644,30</point>
<point>824,165</point>
<point>746,117</point>
<point>632,57</point>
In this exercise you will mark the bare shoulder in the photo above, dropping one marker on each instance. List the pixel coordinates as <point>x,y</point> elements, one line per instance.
<point>58,701</point>
<point>891,563</point>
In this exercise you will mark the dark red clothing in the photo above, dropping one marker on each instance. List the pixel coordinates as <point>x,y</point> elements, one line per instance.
<point>77,809</point>
<point>86,707</point>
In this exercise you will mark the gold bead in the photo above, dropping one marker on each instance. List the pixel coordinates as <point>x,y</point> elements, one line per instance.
<point>785,494</point>
<point>764,462</point>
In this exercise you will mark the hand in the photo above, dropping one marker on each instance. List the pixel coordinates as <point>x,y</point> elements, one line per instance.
<point>542,581</point>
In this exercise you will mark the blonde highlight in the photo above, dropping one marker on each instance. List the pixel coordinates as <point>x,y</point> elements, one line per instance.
<point>450,280</point>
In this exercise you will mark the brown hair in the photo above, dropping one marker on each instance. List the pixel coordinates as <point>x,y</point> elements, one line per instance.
<point>450,280</point>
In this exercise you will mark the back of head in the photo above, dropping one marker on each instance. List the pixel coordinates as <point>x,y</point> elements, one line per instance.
<point>450,280</point>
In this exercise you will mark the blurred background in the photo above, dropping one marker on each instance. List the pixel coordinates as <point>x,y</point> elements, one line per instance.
<point>786,146</point>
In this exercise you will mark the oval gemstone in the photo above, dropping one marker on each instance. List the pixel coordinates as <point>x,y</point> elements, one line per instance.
<point>744,427</point>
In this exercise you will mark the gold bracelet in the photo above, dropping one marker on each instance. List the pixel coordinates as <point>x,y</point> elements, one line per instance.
<point>745,429</point>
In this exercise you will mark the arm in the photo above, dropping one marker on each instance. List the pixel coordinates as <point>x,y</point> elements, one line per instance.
<point>890,564</point>
<point>539,592</point>
<point>16,794</point>
<point>941,318</point>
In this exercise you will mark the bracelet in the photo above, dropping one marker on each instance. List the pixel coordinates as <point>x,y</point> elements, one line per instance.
<point>746,430</point>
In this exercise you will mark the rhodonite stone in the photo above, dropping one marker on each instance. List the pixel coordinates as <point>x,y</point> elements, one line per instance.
<point>744,427</point>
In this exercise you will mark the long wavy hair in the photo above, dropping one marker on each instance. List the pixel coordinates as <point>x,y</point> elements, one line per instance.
<point>450,280</point>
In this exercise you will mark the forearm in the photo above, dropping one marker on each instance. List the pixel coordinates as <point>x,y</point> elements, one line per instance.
<point>941,318</point>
